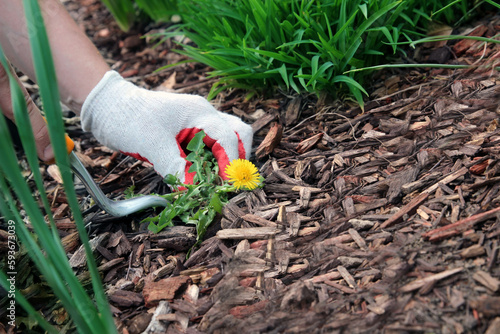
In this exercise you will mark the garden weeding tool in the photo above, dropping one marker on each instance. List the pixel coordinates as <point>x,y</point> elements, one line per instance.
<point>115,208</point>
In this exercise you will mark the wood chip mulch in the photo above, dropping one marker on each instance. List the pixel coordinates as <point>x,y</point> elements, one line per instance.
<point>377,220</point>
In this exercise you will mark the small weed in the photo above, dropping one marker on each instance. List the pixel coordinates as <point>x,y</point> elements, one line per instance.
<point>199,203</point>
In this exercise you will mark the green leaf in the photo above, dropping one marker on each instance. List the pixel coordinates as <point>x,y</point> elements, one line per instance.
<point>364,10</point>
<point>193,157</point>
<point>216,203</point>
<point>284,75</point>
<point>319,72</point>
<point>171,179</point>
<point>196,144</point>
<point>153,228</point>
<point>491,2</point>
<point>350,81</point>
<point>257,44</point>
<point>129,192</point>
<point>123,11</point>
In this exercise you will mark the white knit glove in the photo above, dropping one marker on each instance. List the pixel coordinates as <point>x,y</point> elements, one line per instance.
<point>156,126</point>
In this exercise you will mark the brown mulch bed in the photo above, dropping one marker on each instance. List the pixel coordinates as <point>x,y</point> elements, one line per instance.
<point>377,220</point>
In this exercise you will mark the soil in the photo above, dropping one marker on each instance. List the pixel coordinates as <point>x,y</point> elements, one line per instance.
<point>382,220</point>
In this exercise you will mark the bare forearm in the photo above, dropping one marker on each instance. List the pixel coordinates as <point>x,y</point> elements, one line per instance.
<point>37,123</point>
<point>79,66</point>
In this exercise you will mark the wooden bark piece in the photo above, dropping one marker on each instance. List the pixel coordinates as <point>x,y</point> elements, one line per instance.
<point>447,179</point>
<point>418,283</point>
<point>460,226</point>
<point>486,305</point>
<point>164,289</point>
<point>294,221</point>
<point>309,143</point>
<point>487,280</point>
<point>272,139</point>
<point>126,298</point>
<point>347,277</point>
<point>241,312</point>
<point>262,122</point>
<point>358,239</point>
<point>258,220</point>
<point>247,233</point>
<point>494,327</point>
<point>407,209</point>
<point>397,180</point>
<point>293,110</point>
<point>120,243</point>
<point>463,45</point>
<point>79,258</point>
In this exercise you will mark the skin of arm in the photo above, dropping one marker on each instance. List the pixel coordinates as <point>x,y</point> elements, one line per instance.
<point>40,132</point>
<point>79,66</point>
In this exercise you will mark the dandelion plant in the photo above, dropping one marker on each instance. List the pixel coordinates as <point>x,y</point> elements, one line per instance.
<point>199,203</point>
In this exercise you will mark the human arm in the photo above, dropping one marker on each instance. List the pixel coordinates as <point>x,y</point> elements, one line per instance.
<point>40,132</point>
<point>150,125</point>
<point>79,66</point>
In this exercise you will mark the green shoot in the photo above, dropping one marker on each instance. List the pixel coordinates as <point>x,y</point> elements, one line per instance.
<point>123,12</point>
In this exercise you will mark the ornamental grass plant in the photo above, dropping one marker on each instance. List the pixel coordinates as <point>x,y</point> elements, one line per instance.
<point>300,45</point>
<point>33,228</point>
<point>306,45</point>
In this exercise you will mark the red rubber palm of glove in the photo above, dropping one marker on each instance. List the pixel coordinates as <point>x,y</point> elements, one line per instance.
<point>186,135</point>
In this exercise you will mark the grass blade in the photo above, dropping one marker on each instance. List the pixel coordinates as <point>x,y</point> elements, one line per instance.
<point>123,11</point>
<point>53,264</point>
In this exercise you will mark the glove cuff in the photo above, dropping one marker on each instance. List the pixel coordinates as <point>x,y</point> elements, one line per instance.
<point>99,100</point>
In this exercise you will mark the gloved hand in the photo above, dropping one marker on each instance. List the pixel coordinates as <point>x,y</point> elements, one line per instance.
<point>157,126</point>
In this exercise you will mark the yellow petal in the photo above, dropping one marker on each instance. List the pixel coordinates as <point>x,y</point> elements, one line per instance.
<point>243,173</point>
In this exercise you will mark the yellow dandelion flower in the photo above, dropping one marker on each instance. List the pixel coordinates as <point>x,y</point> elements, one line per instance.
<point>243,173</point>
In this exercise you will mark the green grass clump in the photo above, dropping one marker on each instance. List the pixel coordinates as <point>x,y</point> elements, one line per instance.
<point>304,45</point>
<point>123,12</point>
<point>300,45</point>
